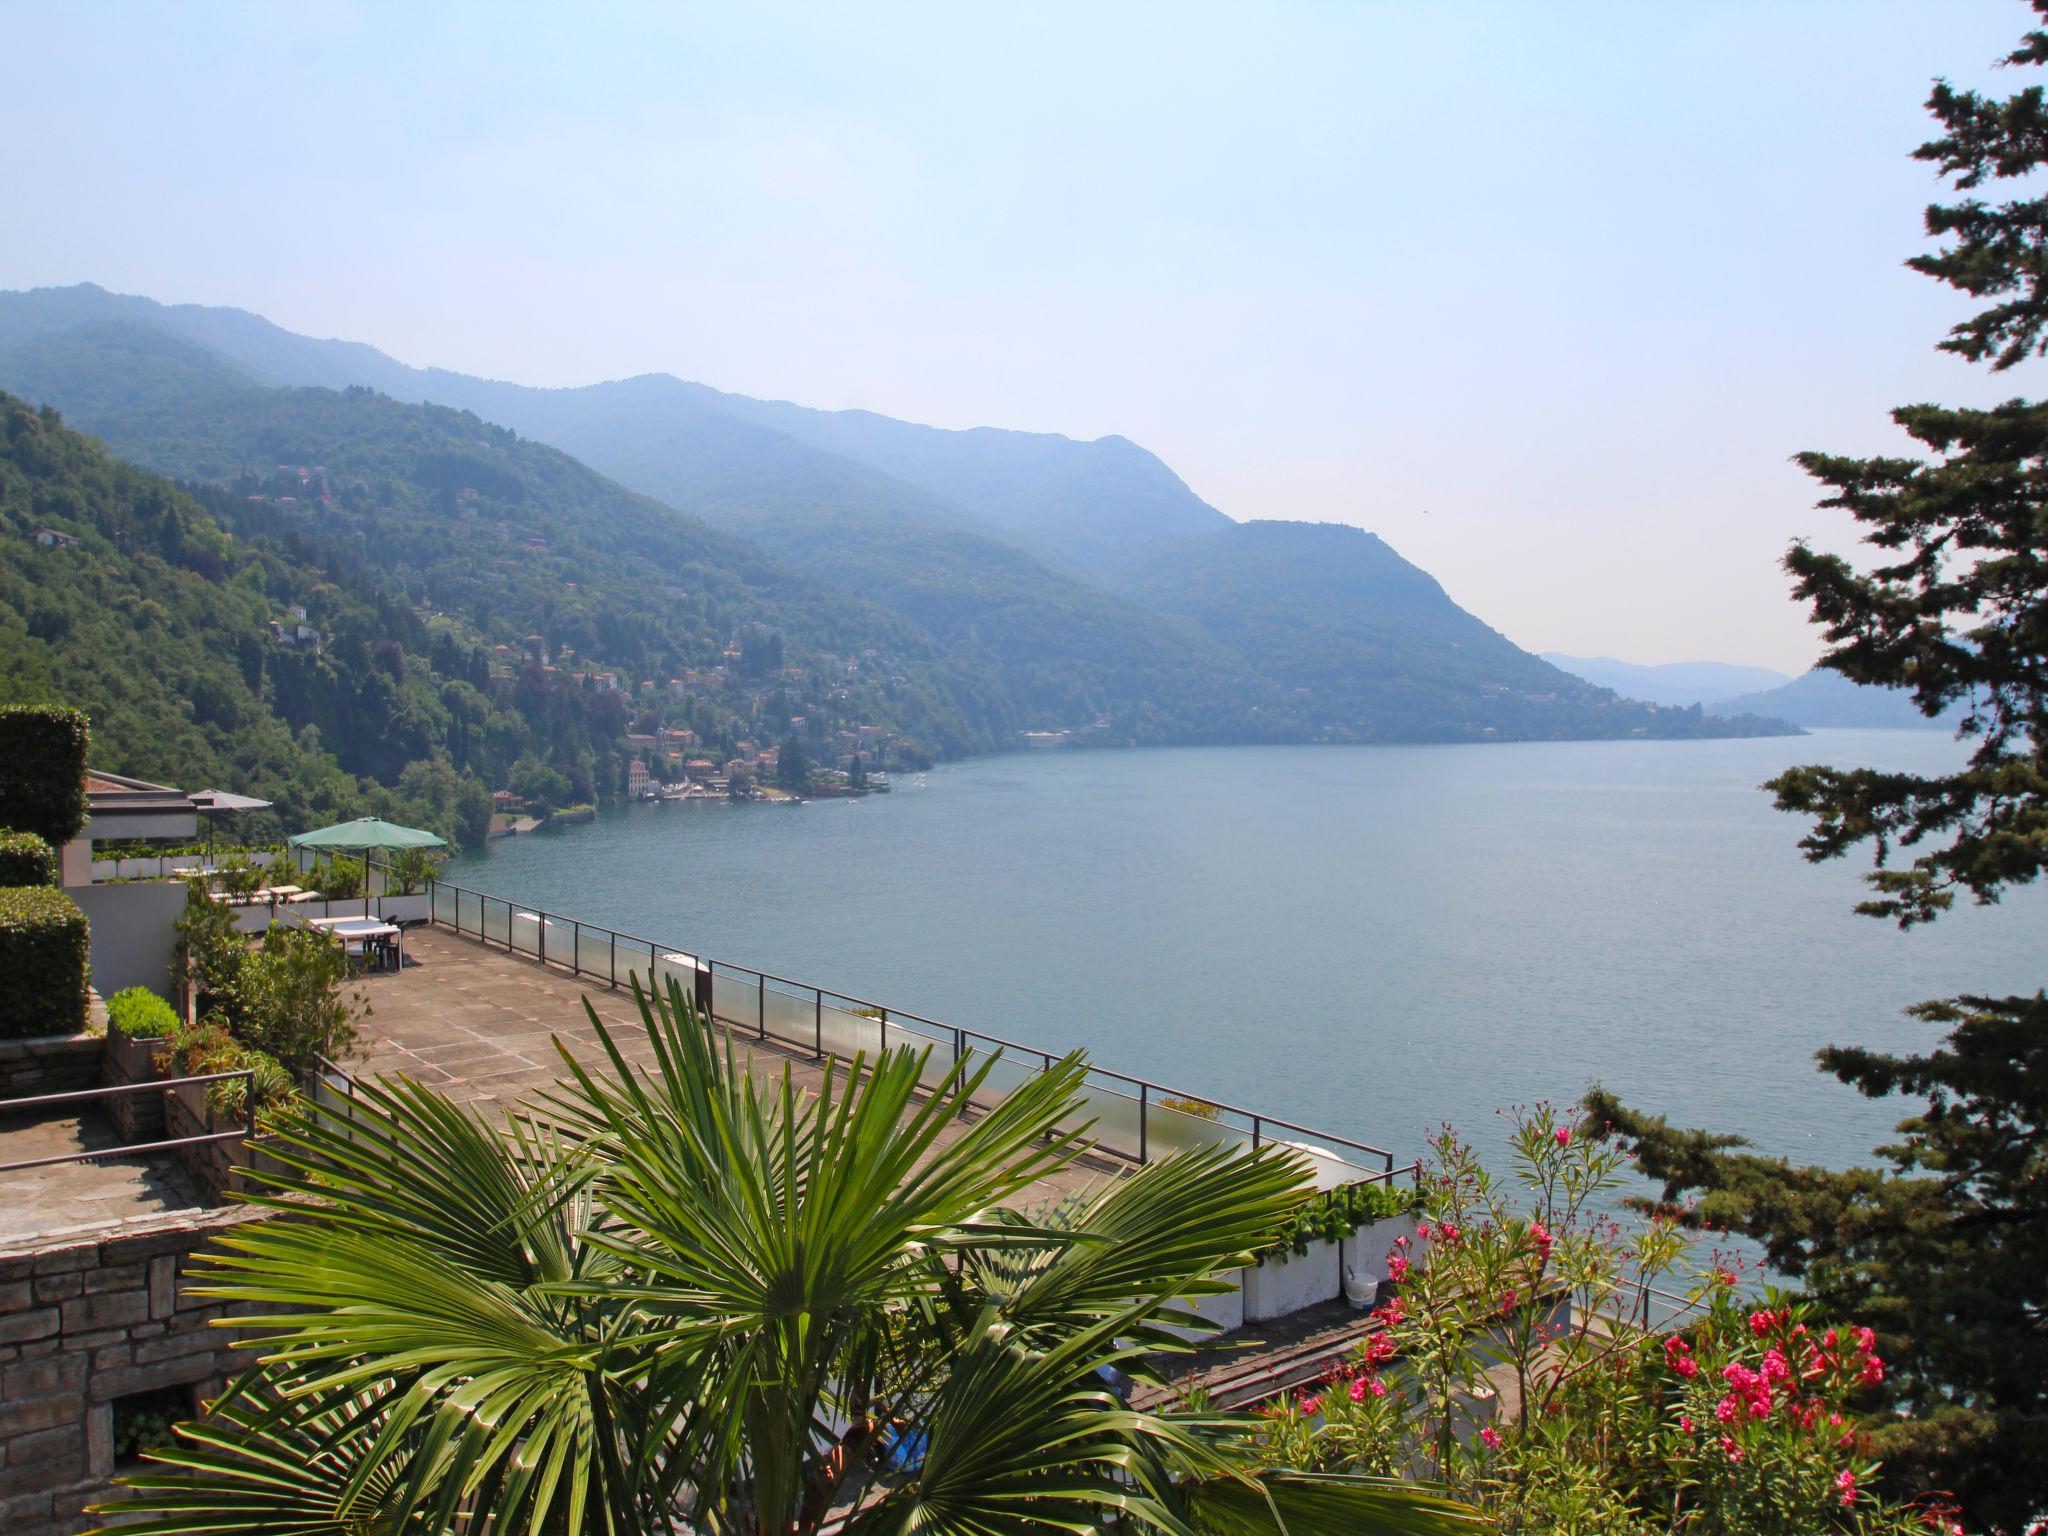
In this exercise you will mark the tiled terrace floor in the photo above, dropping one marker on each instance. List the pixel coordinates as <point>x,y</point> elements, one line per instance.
<point>480,1025</point>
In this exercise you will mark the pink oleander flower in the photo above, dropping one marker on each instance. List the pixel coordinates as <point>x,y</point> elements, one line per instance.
<point>1685,1423</point>
<point>1397,1268</point>
<point>1762,1322</point>
<point>1776,1367</point>
<point>1686,1367</point>
<point>1402,1240</point>
<point>1741,1378</point>
<point>1491,1437</point>
<point>1562,1135</point>
<point>1508,1298</point>
<point>1311,1406</point>
<point>1866,1340</point>
<point>1845,1484</point>
<point>1540,1236</point>
<point>1356,1391</point>
<point>1379,1349</point>
<point>1729,1409</point>
<point>1871,1372</point>
<point>1730,1449</point>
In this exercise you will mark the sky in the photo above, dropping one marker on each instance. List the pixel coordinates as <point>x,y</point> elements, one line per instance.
<point>1544,295</point>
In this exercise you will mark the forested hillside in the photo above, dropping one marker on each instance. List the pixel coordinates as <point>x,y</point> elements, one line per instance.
<point>155,623</point>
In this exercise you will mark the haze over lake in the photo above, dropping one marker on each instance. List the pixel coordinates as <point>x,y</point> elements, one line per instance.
<point>1367,940</point>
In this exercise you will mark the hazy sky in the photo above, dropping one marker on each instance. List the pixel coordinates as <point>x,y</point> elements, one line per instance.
<point>1574,279</point>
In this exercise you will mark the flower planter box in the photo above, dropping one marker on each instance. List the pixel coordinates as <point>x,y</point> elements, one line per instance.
<point>1292,1281</point>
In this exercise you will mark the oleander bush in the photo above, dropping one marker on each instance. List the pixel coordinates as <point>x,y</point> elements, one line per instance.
<point>26,859</point>
<point>42,771</point>
<point>140,1014</point>
<point>1522,1366</point>
<point>44,950</point>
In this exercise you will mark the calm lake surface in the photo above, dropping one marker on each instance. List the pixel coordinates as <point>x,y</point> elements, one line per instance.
<point>1370,941</point>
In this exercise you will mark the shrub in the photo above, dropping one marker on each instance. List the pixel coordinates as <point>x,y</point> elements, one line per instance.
<point>44,947</point>
<point>140,1014</point>
<point>208,1046</point>
<point>1590,1419</point>
<point>337,878</point>
<point>26,859</point>
<point>42,771</point>
<point>287,999</point>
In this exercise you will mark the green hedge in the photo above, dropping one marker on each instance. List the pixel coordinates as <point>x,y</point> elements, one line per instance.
<point>43,950</point>
<point>26,859</point>
<point>42,771</point>
<point>141,1015</point>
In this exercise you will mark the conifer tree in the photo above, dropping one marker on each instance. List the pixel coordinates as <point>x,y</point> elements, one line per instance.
<point>1946,1248</point>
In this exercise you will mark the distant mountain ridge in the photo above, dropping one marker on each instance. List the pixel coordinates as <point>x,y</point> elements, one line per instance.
<point>1675,682</point>
<point>1823,699</point>
<point>1084,582</point>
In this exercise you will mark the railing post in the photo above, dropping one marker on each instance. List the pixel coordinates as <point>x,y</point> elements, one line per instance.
<point>541,920</point>
<point>761,1004</point>
<point>576,947</point>
<point>1255,1130</point>
<point>611,949</point>
<point>818,1046</point>
<point>885,1029</point>
<point>1144,1105</point>
<point>959,1042</point>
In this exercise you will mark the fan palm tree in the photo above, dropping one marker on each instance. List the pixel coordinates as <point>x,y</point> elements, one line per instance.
<point>684,1298</point>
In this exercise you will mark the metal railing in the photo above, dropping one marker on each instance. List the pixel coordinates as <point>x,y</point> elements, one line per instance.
<point>1134,1116</point>
<point>45,1100</point>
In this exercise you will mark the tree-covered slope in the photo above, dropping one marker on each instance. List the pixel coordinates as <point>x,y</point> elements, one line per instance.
<point>1068,654</point>
<point>155,622</point>
<point>515,537</point>
<point>1371,648</point>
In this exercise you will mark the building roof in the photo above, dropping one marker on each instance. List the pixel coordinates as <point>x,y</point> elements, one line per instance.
<point>118,792</point>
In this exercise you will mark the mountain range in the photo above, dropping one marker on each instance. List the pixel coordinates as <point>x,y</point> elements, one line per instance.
<point>1015,581</point>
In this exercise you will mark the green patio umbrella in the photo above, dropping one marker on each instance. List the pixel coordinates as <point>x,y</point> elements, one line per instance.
<point>367,835</point>
<point>367,832</point>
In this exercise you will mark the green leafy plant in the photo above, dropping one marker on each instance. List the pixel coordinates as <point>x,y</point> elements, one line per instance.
<point>209,951</point>
<point>140,1014</point>
<point>410,869</point>
<point>1334,1214</point>
<point>208,1046</point>
<point>26,859</point>
<point>337,877</point>
<point>287,999</point>
<point>44,962</point>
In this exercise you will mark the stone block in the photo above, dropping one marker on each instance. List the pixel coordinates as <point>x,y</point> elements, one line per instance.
<point>37,1348</point>
<point>183,1371</point>
<point>51,1288</point>
<point>16,1296</point>
<point>19,1416</point>
<point>113,1357</point>
<point>24,1511</point>
<point>20,1327</point>
<point>33,1378</point>
<point>117,1309</point>
<point>171,1346</point>
<point>61,1445</point>
<point>17,1264</point>
<point>163,1285</point>
<point>58,1261</point>
<point>115,1277</point>
<point>99,1440</point>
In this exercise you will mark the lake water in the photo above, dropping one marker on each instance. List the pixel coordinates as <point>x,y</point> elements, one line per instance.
<point>1367,940</point>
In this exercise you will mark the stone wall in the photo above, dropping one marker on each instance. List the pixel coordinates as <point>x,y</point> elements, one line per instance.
<point>86,1321</point>
<point>52,1064</point>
